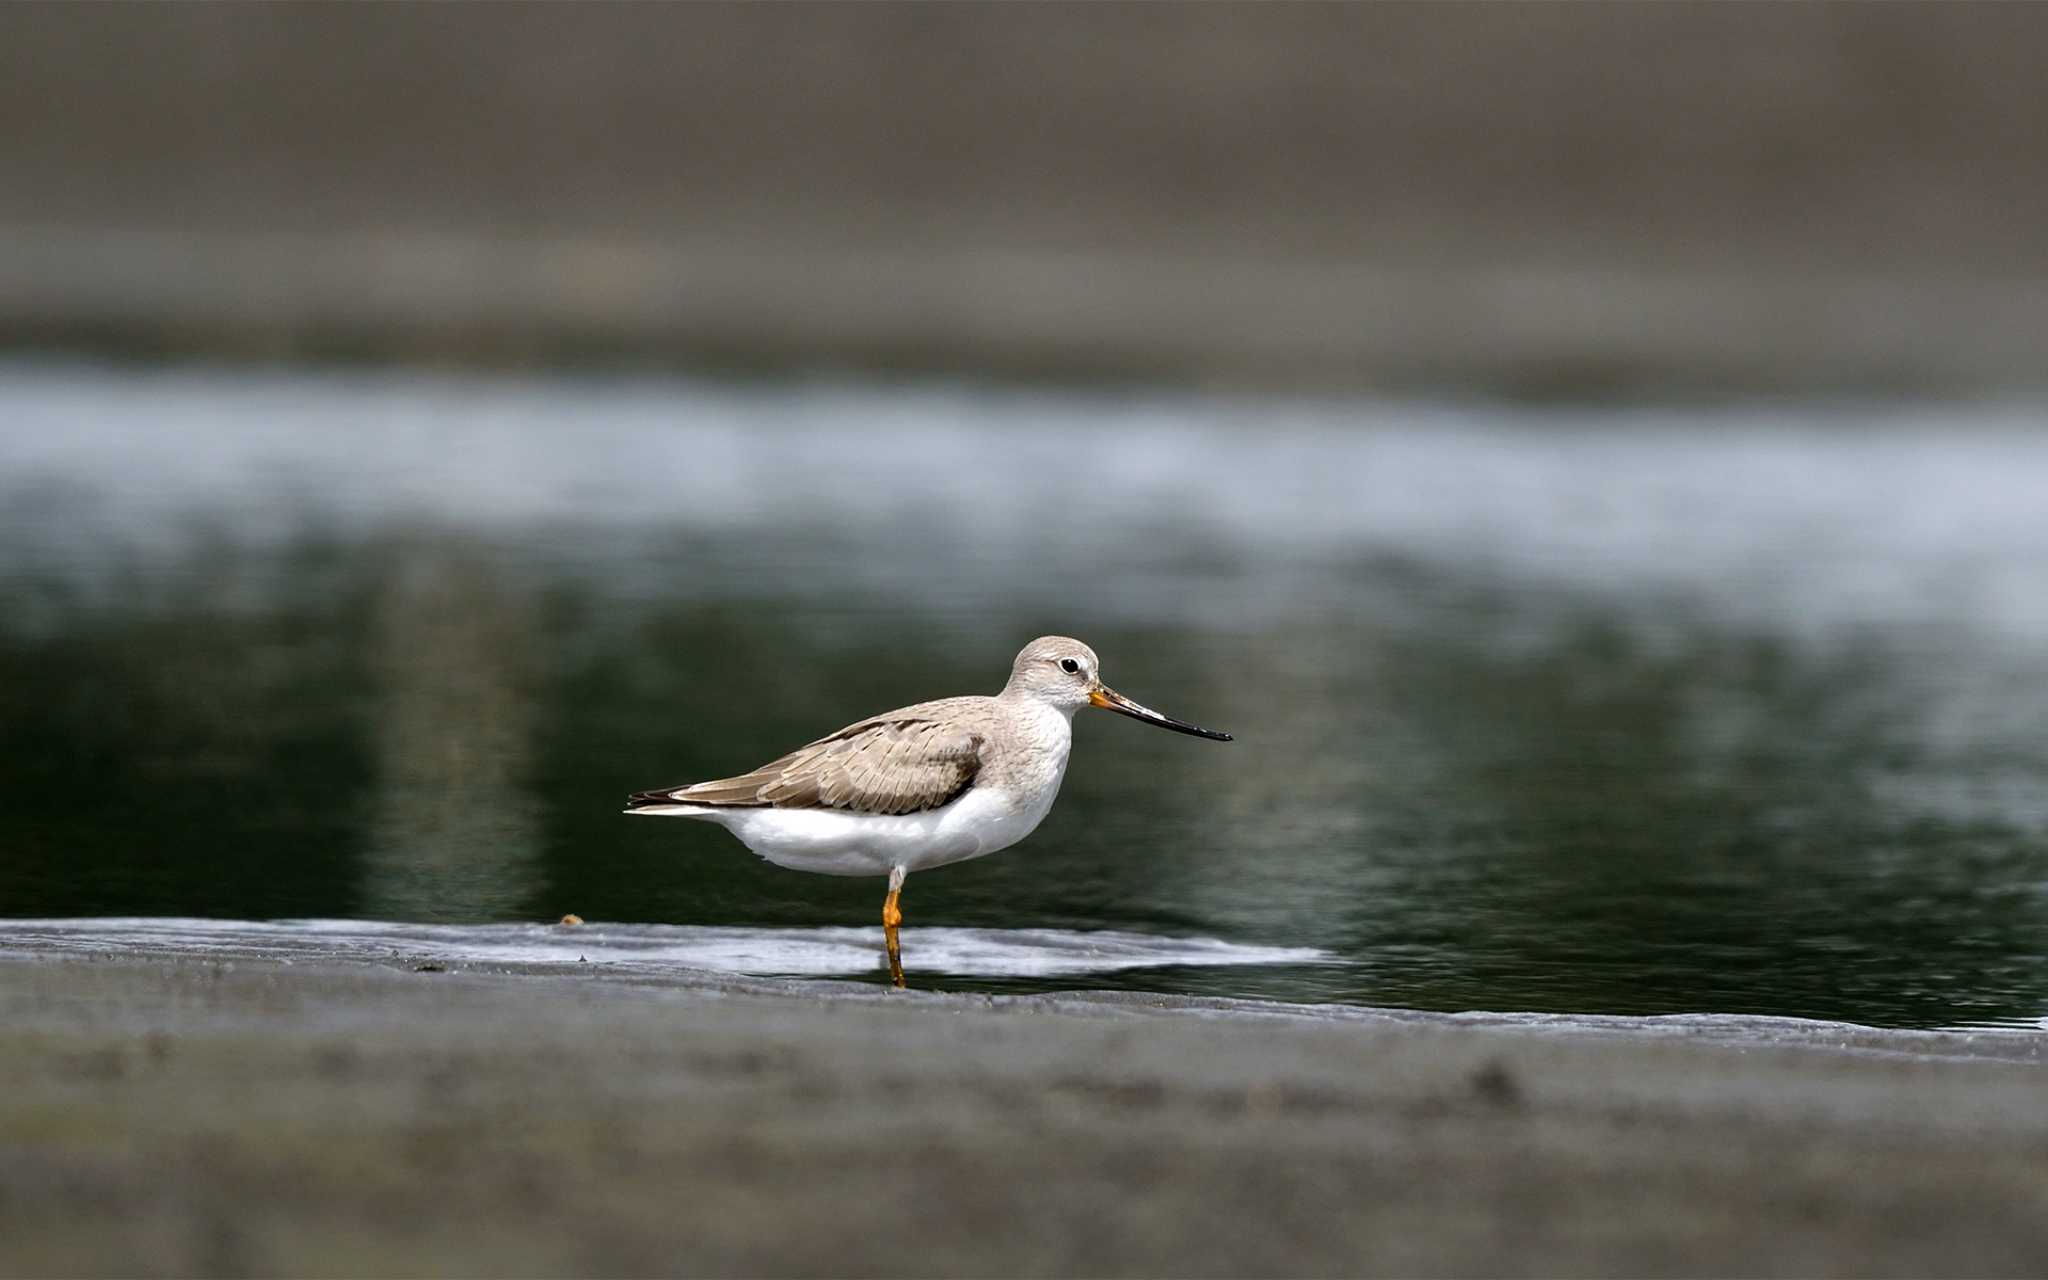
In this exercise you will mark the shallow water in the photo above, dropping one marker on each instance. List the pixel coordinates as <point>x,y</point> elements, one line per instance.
<point>1587,711</point>
<point>656,949</point>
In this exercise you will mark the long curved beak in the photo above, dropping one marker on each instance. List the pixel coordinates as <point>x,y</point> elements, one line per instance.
<point>1110,700</point>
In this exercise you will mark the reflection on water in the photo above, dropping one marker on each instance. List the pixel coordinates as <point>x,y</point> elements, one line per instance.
<point>452,655</point>
<point>1611,712</point>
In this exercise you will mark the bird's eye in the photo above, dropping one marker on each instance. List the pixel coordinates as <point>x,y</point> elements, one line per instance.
<point>1069,666</point>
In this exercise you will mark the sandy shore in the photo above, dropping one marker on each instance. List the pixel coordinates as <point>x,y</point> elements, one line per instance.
<point>186,1116</point>
<point>1573,201</point>
<point>738,304</point>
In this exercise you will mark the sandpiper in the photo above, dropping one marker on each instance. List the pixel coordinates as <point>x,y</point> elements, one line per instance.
<point>918,787</point>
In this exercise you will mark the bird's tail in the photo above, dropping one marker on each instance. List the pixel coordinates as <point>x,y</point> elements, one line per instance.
<point>665,804</point>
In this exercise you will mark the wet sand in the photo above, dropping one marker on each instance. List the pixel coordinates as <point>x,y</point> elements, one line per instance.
<point>190,1116</point>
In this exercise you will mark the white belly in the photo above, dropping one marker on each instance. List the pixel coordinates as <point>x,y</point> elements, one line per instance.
<point>835,843</point>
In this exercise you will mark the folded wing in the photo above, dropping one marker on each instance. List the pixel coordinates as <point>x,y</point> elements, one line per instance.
<point>887,766</point>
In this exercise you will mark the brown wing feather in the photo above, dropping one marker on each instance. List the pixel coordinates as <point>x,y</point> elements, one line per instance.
<point>897,765</point>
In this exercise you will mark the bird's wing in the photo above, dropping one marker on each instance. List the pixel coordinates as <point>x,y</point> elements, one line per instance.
<point>894,764</point>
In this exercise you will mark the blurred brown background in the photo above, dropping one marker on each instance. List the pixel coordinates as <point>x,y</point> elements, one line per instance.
<point>1531,199</point>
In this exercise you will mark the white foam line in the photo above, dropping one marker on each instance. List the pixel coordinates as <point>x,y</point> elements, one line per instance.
<point>654,948</point>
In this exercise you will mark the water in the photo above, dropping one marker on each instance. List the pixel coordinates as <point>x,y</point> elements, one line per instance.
<point>655,949</point>
<point>1729,711</point>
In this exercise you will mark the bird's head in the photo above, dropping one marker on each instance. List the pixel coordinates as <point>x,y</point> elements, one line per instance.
<point>1064,673</point>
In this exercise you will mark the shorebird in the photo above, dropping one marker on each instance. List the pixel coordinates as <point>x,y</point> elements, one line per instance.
<point>918,787</point>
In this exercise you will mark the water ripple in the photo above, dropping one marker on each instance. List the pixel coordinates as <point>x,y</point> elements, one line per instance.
<point>1020,953</point>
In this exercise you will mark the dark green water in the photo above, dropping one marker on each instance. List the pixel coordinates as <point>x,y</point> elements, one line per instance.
<point>1606,713</point>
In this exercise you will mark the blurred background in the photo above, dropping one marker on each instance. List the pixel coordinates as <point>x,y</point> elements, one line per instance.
<point>1591,456</point>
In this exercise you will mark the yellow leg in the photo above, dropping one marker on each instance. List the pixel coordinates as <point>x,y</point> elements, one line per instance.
<point>891,917</point>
